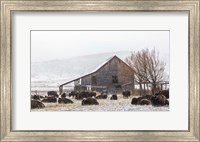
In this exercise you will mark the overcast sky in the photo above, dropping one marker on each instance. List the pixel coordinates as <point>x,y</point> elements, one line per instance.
<point>50,45</point>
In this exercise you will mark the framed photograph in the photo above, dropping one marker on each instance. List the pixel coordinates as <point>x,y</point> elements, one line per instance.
<point>100,70</point>
<point>91,77</point>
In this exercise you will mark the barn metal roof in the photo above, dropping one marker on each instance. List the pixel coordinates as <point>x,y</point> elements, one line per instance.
<point>95,70</point>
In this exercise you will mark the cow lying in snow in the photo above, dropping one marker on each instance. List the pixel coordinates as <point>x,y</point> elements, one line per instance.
<point>102,96</point>
<point>73,94</point>
<point>155,100</point>
<point>126,94</point>
<point>52,94</point>
<point>163,92</point>
<point>65,101</point>
<point>159,100</point>
<point>113,97</point>
<point>140,101</point>
<point>64,95</point>
<point>37,97</point>
<point>49,100</point>
<point>85,94</point>
<point>144,102</point>
<point>89,101</point>
<point>36,104</point>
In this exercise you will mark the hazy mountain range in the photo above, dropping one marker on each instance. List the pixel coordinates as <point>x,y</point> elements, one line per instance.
<point>63,70</point>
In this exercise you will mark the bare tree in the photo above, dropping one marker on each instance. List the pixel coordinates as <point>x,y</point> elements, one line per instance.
<point>136,61</point>
<point>148,67</point>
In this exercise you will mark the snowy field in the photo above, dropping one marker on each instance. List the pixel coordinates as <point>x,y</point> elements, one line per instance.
<point>122,104</point>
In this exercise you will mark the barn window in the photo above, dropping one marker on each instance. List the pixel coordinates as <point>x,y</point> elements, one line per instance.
<point>114,79</point>
<point>94,80</point>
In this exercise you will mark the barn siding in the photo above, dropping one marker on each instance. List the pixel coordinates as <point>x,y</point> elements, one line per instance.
<point>86,80</point>
<point>125,74</point>
<point>114,67</point>
<point>104,75</point>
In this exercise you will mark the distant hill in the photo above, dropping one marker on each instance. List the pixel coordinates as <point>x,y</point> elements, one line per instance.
<point>60,71</point>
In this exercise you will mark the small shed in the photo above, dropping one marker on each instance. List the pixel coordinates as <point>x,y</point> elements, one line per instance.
<point>112,76</point>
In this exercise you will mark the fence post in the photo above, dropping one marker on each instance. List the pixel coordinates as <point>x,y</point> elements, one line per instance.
<point>60,90</point>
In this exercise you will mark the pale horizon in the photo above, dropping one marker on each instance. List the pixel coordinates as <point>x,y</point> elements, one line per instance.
<point>52,45</point>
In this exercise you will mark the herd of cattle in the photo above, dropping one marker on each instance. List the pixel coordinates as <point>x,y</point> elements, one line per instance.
<point>90,98</point>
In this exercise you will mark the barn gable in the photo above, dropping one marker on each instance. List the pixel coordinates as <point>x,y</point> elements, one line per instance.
<point>110,74</point>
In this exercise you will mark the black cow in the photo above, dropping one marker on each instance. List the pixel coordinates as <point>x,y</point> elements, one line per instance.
<point>37,97</point>
<point>113,97</point>
<point>134,101</point>
<point>36,104</point>
<point>49,100</point>
<point>73,94</point>
<point>163,92</point>
<point>144,102</point>
<point>85,94</point>
<point>89,101</point>
<point>63,95</point>
<point>159,100</point>
<point>52,94</point>
<point>65,101</point>
<point>102,96</point>
<point>126,94</point>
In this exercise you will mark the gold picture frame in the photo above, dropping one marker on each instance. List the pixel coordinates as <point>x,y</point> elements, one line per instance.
<point>7,7</point>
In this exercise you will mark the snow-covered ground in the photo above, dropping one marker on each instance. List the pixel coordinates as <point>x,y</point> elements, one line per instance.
<point>121,104</point>
<point>48,75</point>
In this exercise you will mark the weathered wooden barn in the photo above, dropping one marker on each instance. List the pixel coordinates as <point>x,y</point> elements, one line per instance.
<point>112,76</point>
